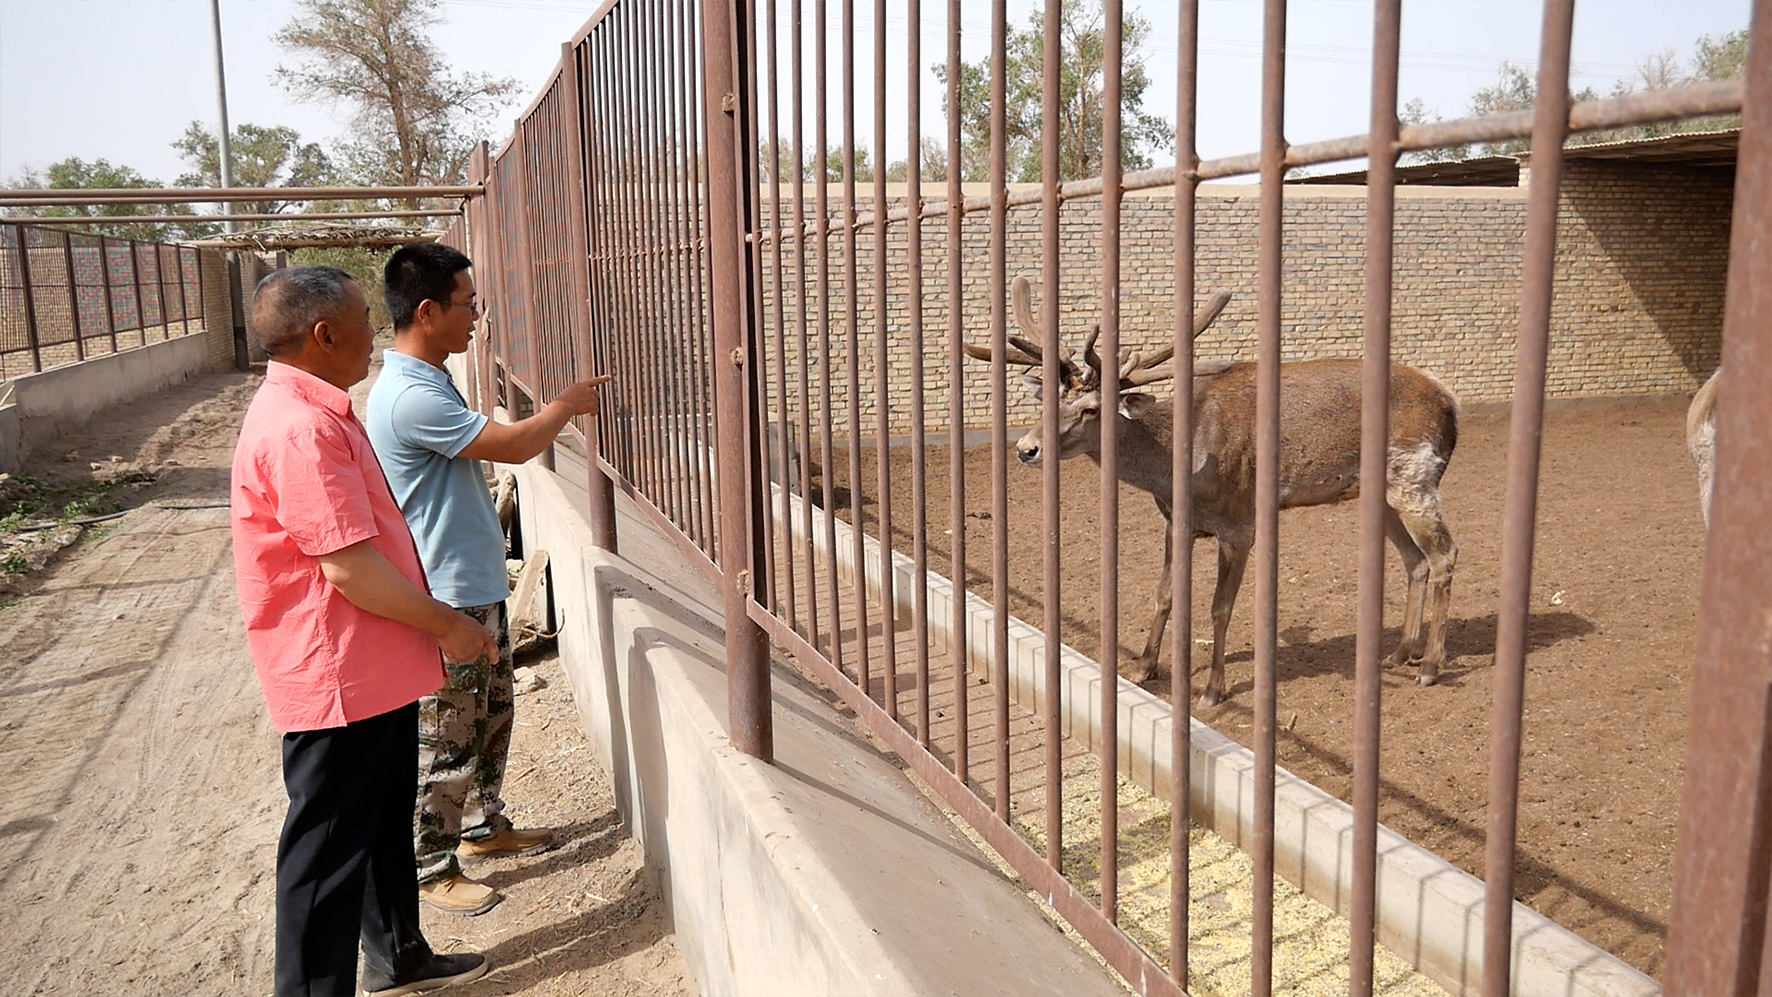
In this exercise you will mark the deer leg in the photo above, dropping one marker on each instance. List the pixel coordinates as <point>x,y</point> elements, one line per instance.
<point>1233,557</point>
<point>1415,573</point>
<point>1427,527</point>
<point>1147,662</point>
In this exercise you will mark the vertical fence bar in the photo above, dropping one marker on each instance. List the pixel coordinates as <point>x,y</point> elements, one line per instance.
<point>882,381</point>
<point>693,194</point>
<point>1110,461</point>
<point>852,329</point>
<point>914,313</point>
<point>646,394</point>
<point>779,450</point>
<point>1716,942</point>
<point>804,327</point>
<point>999,401</point>
<point>957,642</point>
<point>676,238</point>
<point>24,272</point>
<point>1525,436</point>
<point>1050,377</point>
<point>747,649</point>
<point>104,263</point>
<point>1179,545</point>
<point>135,272</point>
<point>600,491</point>
<point>664,256</point>
<point>1375,386</point>
<point>750,141</point>
<point>1267,485</point>
<point>827,453</point>
<point>481,233</point>
<point>184,305</point>
<point>74,292</point>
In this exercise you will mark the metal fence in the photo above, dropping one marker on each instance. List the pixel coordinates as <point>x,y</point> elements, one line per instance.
<point>67,296</point>
<point>640,223</point>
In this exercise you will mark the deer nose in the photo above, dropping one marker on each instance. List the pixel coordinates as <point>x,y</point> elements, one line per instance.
<point>1027,453</point>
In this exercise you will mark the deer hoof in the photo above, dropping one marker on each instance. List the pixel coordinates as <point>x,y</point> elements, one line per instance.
<point>1211,698</point>
<point>1427,678</point>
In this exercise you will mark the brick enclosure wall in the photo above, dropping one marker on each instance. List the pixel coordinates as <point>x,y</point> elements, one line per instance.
<point>1642,255</point>
<point>218,307</point>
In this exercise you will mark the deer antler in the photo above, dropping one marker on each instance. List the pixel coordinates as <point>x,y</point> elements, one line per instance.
<point>1025,350</point>
<point>1137,369</point>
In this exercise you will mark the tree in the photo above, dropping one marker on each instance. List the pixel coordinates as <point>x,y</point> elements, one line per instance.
<point>1082,41</point>
<point>263,157</point>
<point>419,120</point>
<point>1724,58</point>
<point>75,173</point>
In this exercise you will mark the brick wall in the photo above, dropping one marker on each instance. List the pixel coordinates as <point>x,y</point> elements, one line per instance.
<point>1642,256</point>
<point>218,307</point>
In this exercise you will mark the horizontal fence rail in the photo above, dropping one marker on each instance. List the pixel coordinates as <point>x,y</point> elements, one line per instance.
<point>69,296</point>
<point>697,204</point>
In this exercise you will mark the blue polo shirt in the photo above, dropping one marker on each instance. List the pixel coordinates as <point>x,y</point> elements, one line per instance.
<point>417,424</point>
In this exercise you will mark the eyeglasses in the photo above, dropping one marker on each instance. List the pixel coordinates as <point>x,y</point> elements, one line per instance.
<point>472,306</point>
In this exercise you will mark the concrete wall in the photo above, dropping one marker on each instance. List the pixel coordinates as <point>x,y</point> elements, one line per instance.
<point>825,873</point>
<point>46,405</point>
<point>1642,255</point>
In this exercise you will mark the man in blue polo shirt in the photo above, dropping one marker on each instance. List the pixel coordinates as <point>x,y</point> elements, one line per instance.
<point>430,444</point>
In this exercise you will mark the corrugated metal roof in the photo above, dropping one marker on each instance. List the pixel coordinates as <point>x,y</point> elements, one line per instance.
<point>1696,149</point>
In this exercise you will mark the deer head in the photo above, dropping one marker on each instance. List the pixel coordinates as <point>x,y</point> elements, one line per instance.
<point>1079,400</point>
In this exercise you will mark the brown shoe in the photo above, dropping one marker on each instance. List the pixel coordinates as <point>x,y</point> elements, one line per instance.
<point>458,894</point>
<point>509,841</point>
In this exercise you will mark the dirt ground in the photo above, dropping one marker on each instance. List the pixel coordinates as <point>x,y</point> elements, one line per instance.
<point>1614,608</point>
<point>138,844</point>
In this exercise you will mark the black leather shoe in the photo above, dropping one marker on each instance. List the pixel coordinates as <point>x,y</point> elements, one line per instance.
<point>440,972</point>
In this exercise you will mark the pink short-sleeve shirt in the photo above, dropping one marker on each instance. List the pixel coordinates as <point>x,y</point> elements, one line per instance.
<point>305,484</point>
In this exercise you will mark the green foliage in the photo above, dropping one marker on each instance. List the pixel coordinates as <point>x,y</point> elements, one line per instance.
<point>75,173</point>
<point>418,120</point>
<point>263,157</point>
<point>1082,42</point>
<point>365,267</point>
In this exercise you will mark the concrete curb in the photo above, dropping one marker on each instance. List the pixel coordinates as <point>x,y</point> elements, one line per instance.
<point>1430,913</point>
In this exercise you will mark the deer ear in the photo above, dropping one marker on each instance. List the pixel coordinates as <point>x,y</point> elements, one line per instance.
<point>1136,404</point>
<point>1033,384</point>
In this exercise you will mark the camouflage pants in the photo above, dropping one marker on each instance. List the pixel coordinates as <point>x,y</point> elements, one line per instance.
<point>464,738</point>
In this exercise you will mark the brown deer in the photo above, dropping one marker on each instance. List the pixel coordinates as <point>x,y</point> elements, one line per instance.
<point>1701,440</point>
<point>1319,464</point>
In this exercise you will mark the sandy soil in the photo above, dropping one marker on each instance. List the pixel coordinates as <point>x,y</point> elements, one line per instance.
<point>138,844</point>
<point>1613,619</point>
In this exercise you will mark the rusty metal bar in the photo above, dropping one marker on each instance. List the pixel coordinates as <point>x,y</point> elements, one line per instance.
<point>958,643</point>
<point>644,290</point>
<point>1375,387</point>
<point>747,646</point>
<point>1109,656</point>
<point>670,73</point>
<point>663,296</point>
<point>1525,436</point>
<point>1051,258</point>
<point>799,141</point>
<point>600,493</point>
<point>704,328</point>
<point>305,216</point>
<point>647,468</point>
<point>852,324</point>
<point>104,263</point>
<point>1267,483</point>
<point>184,305</point>
<point>784,579</point>
<point>24,197</point>
<point>764,541</point>
<point>135,272</point>
<point>827,447</point>
<point>1717,939</point>
<point>24,270</point>
<point>999,403</point>
<point>882,381</point>
<point>914,312</point>
<point>479,169</point>
<point>74,292</point>
<point>1179,545</point>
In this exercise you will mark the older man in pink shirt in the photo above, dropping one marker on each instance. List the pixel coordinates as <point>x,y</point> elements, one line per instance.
<point>345,638</point>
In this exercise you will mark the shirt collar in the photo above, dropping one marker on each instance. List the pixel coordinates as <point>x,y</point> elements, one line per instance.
<point>307,387</point>
<point>414,367</point>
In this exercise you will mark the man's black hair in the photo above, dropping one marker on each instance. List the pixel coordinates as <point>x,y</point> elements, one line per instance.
<point>417,273</point>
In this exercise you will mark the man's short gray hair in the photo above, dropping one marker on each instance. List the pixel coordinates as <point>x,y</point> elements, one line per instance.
<point>290,302</point>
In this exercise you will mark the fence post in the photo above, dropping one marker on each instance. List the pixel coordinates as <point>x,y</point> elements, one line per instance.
<point>73,295</point>
<point>726,104</point>
<point>600,489</point>
<point>1723,868</point>
<point>479,222</point>
<point>24,270</point>
<point>104,264</point>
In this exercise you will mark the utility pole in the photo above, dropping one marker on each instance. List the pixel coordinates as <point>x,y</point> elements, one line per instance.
<point>221,100</point>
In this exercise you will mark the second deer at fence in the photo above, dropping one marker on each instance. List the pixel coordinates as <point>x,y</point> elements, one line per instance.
<point>1319,464</point>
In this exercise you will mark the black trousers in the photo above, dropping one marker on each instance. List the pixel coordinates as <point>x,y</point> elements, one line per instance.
<point>344,862</point>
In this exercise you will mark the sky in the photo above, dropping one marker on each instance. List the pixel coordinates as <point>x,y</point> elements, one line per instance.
<point>120,79</point>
